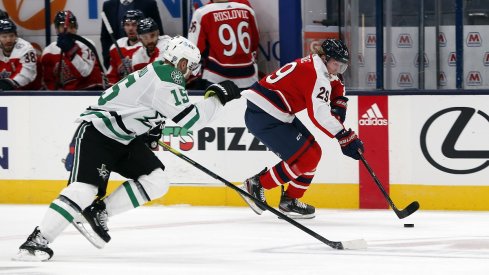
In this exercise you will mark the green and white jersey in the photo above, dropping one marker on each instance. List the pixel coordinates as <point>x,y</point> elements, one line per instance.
<point>144,99</point>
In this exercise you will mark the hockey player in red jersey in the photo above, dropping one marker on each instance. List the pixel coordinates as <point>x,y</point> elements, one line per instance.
<point>153,44</point>
<point>309,83</point>
<point>18,59</point>
<point>69,64</point>
<point>228,32</point>
<point>120,68</point>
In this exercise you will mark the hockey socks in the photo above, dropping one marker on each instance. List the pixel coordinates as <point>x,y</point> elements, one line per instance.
<point>65,208</point>
<point>132,194</point>
<point>281,174</point>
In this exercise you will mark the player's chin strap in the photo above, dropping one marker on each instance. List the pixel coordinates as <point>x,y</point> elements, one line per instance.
<point>94,50</point>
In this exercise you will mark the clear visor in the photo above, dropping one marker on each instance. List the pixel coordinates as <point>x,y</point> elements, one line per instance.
<point>194,68</point>
<point>342,68</point>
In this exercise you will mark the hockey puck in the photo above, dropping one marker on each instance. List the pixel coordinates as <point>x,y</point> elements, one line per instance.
<point>409,225</point>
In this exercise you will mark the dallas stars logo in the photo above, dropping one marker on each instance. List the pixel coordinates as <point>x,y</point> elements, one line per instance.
<point>103,172</point>
<point>151,122</point>
<point>177,77</point>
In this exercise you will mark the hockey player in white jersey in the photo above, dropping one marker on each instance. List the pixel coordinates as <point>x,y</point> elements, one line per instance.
<point>111,138</point>
<point>18,58</point>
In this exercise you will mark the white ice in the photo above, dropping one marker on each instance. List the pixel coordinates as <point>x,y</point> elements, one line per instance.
<point>234,240</point>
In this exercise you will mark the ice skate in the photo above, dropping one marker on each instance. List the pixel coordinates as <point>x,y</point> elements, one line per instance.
<point>253,187</point>
<point>35,249</point>
<point>295,209</point>
<point>96,215</point>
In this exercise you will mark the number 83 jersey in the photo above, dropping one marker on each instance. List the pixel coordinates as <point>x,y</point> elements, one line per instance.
<point>145,98</point>
<point>302,84</point>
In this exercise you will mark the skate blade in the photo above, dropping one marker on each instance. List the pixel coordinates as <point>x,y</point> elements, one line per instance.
<point>250,202</point>
<point>25,256</point>
<point>297,216</point>
<point>79,223</point>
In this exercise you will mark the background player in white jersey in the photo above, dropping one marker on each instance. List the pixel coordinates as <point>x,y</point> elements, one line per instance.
<point>227,36</point>
<point>112,136</point>
<point>153,43</point>
<point>120,68</point>
<point>18,58</point>
<point>309,83</point>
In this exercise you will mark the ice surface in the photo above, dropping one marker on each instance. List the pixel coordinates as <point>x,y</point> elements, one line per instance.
<point>227,240</point>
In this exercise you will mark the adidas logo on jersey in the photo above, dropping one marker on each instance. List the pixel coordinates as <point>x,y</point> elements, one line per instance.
<point>373,117</point>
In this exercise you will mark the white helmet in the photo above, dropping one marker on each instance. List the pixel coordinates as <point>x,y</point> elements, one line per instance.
<point>180,47</point>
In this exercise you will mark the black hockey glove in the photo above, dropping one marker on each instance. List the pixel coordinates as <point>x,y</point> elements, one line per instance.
<point>225,91</point>
<point>350,143</point>
<point>153,135</point>
<point>65,42</point>
<point>7,84</point>
<point>338,108</point>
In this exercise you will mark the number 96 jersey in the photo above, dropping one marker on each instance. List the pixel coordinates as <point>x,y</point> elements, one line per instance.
<point>230,34</point>
<point>144,99</point>
<point>302,84</point>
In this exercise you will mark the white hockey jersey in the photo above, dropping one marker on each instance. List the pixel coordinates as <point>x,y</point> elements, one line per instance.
<point>146,98</point>
<point>20,66</point>
<point>141,58</point>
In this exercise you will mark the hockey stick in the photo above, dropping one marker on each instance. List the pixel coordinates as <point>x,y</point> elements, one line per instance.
<point>353,244</point>
<point>111,34</point>
<point>410,209</point>
<point>60,70</point>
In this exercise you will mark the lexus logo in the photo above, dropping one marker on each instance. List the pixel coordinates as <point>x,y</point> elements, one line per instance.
<point>449,148</point>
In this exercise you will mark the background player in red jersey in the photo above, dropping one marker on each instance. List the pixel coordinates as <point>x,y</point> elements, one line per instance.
<point>69,64</point>
<point>120,68</point>
<point>309,83</point>
<point>227,36</point>
<point>18,59</point>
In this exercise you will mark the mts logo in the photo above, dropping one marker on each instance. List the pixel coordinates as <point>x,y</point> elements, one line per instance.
<point>389,60</point>
<point>405,80</point>
<point>452,59</point>
<point>371,79</point>
<point>426,61</point>
<point>404,41</point>
<point>3,126</point>
<point>473,39</point>
<point>474,78</point>
<point>442,77</point>
<point>361,60</point>
<point>486,59</point>
<point>371,40</point>
<point>185,139</point>
<point>442,39</point>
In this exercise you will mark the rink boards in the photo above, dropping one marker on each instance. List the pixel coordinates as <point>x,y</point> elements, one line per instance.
<point>434,149</point>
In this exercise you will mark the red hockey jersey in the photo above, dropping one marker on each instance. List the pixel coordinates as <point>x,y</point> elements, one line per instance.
<point>229,32</point>
<point>302,84</point>
<point>80,73</point>
<point>117,70</point>
<point>141,58</point>
<point>21,65</point>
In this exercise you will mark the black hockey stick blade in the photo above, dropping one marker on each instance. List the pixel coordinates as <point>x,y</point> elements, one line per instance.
<point>410,209</point>
<point>401,214</point>
<point>352,245</point>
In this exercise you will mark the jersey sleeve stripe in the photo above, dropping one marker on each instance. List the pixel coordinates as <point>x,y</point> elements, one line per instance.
<point>118,120</point>
<point>183,113</point>
<point>192,121</point>
<point>109,125</point>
